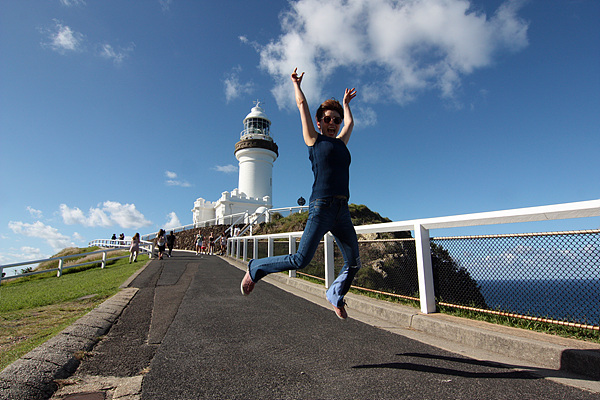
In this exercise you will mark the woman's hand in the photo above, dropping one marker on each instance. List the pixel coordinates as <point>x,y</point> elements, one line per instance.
<point>295,78</point>
<point>349,94</point>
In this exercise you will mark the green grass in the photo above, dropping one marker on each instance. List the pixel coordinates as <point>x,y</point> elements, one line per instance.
<point>536,326</point>
<point>34,309</point>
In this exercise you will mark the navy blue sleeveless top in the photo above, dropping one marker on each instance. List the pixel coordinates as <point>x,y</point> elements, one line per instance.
<point>330,161</point>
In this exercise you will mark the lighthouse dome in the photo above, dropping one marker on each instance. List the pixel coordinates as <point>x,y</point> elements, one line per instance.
<point>257,112</point>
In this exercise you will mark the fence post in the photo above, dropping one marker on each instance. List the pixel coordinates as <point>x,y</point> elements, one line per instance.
<point>103,260</point>
<point>329,264</point>
<point>1,273</point>
<point>255,248</point>
<point>292,250</point>
<point>270,246</point>
<point>424,269</point>
<point>237,247</point>
<point>245,250</point>
<point>60,268</point>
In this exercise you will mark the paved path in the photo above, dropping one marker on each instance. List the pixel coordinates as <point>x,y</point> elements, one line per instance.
<point>188,333</point>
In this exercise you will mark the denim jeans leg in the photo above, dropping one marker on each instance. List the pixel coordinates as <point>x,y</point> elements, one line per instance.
<point>345,237</point>
<point>320,219</point>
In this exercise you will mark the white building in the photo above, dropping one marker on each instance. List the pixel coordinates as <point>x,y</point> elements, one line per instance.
<point>256,152</point>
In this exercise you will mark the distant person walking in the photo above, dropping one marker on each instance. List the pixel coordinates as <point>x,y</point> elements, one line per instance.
<point>328,206</point>
<point>134,249</point>
<point>223,243</point>
<point>198,243</point>
<point>161,242</point>
<point>170,243</point>
<point>211,244</point>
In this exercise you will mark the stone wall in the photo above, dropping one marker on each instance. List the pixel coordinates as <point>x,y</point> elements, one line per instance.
<point>186,240</point>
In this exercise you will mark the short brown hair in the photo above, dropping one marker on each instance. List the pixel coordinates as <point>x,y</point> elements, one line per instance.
<point>330,104</point>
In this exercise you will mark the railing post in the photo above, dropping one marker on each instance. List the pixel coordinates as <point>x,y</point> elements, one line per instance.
<point>329,264</point>
<point>255,248</point>
<point>238,243</point>
<point>424,269</point>
<point>270,246</point>
<point>245,250</point>
<point>60,268</point>
<point>292,250</point>
<point>103,260</point>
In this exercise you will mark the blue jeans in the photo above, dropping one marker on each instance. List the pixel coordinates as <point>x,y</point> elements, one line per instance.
<point>329,214</point>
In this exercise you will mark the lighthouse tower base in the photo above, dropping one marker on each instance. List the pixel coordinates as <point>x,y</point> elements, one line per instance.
<point>229,208</point>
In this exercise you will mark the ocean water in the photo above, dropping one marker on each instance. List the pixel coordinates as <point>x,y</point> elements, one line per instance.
<point>572,300</point>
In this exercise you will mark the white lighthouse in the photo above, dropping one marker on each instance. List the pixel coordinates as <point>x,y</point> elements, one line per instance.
<point>256,151</point>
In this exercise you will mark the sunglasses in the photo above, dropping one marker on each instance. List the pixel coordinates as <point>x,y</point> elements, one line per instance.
<point>336,120</point>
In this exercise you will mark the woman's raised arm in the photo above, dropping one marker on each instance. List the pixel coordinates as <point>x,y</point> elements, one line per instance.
<point>346,131</point>
<point>308,129</point>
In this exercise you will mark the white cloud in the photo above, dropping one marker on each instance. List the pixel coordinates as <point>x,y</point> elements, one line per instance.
<point>228,169</point>
<point>173,221</point>
<point>34,213</point>
<point>70,3</point>
<point>117,56</point>
<point>165,4</point>
<point>125,215</point>
<point>365,116</point>
<point>400,47</point>
<point>233,87</point>
<point>173,181</point>
<point>55,239</point>
<point>112,213</point>
<point>25,253</point>
<point>62,38</point>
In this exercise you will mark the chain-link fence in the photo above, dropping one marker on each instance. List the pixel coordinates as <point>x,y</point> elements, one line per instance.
<point>548,276</point>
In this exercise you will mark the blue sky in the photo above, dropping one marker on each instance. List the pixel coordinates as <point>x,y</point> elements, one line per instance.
<point>116,115</point>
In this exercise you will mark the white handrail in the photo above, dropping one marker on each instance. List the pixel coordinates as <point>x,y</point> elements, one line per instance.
<point>580,209</point>
<point>61,261</point>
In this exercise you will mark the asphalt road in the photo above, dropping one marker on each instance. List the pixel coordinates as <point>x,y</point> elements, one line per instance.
<point>190,334</point>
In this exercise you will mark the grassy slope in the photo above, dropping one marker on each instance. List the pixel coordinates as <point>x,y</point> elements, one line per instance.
<point>34,309</point>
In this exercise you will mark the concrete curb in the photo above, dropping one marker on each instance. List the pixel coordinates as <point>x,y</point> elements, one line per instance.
<point>34,375</point>
<point>533,348</point>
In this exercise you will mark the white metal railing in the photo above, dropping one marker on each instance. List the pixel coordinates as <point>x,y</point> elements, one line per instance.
<point>237,247</point>
<point>144,247</point>
<point>243,216</point>
<point>199,224</point>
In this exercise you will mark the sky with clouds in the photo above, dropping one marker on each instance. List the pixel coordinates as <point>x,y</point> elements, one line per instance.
<point>115,116</point>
